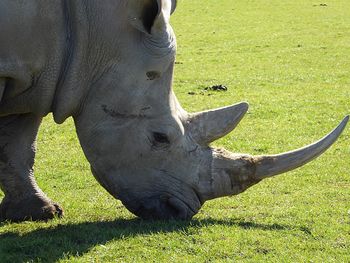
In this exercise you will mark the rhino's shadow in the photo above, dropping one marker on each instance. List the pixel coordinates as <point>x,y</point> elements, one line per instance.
<point>52,244</point>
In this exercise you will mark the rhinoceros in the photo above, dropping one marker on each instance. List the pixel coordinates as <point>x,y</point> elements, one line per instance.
<point>109,65</point>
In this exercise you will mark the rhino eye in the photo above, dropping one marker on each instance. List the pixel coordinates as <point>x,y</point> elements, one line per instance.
<point>160,138</point>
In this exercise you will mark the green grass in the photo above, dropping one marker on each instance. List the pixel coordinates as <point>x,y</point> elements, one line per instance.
<point>291,61</point>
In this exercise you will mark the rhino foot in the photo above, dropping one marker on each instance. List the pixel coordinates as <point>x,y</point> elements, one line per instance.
<point>32,208</point>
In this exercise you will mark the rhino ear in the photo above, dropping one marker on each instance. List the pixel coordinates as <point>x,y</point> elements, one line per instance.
<point>173,6</point>
<point>145,14</point>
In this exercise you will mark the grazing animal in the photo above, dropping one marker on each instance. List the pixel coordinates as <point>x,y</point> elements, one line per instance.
<point>109,64</point>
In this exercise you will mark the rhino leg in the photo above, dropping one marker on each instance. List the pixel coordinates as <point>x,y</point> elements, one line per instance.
<point>23,200</point>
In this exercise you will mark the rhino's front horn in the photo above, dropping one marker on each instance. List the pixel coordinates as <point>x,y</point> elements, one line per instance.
<point>267,166</point>
<point>234,173</point>
<point>208,126</point>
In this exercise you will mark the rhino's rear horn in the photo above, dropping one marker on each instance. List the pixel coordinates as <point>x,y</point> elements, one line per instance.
<point>208,126</point>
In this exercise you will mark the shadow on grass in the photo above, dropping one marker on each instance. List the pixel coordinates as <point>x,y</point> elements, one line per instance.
<point>52,244</point>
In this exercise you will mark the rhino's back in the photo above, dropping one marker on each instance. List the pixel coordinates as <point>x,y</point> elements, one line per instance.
<point>32,39</point>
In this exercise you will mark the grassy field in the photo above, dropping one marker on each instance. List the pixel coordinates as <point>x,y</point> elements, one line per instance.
<point>291,61</point>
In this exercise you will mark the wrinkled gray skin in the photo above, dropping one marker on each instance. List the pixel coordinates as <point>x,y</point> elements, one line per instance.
<point>109,64</point>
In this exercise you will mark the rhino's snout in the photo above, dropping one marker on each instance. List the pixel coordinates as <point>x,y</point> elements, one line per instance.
<point>160,207</point>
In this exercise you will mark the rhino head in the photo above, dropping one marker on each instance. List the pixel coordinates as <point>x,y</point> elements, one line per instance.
<point>143,148</point>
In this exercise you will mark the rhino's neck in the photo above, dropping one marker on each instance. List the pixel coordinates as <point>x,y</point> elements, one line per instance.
<point>74,76</point>
<point>91,42</point>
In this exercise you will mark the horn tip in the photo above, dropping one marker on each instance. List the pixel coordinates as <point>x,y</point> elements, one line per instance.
<point>343,123</point>
<point>244,106</point>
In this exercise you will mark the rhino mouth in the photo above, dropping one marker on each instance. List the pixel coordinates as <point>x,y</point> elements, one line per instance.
<point>155,206</point>
<point>160,207</point>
